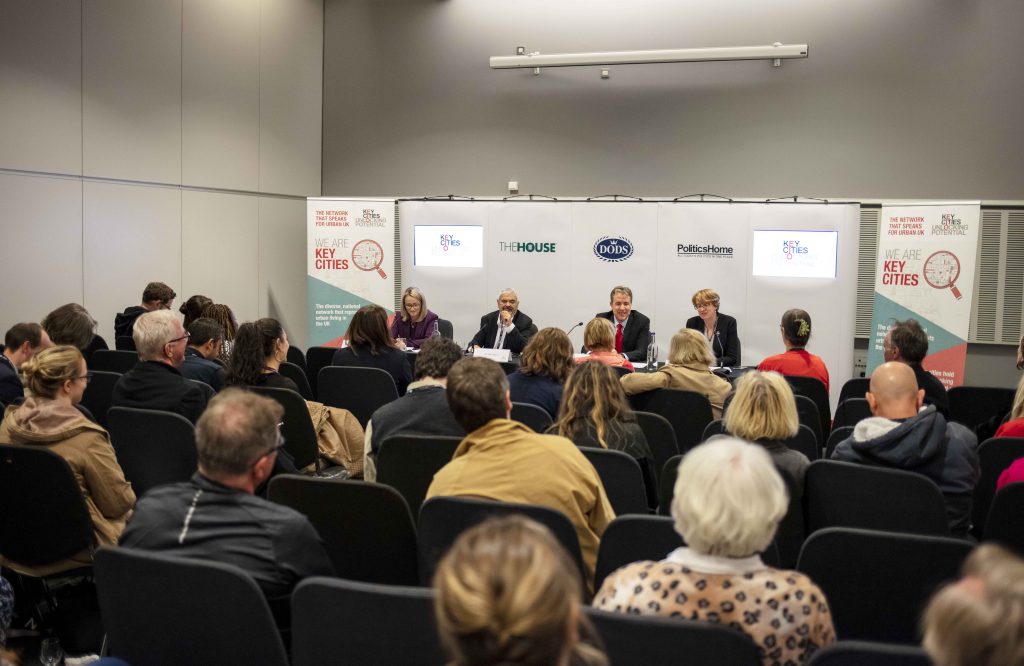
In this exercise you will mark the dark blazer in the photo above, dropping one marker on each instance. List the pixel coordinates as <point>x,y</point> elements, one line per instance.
<point>11,388</point>
<point>726,345</point>
<point>392,360</point>
<point>934,391</point>
<point>200,368</point>
<point>155,385</point>
<point>636,334</point>
<point>514,341</point>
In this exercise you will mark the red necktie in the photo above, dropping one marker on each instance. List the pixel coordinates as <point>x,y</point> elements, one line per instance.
<point>618,339</point>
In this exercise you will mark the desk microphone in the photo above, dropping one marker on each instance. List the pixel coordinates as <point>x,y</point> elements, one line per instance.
<point>574,327</point>
<point>718,337</point>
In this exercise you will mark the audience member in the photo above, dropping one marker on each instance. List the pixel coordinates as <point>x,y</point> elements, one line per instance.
<point>71,324</point>
<point>506,327</point>
<point>414,324</point>
<point>216,516</point>
<point>631,330</point>
<point>901,435</point>
<point>204,340</point>
<point>907,342</point>
<point>193,308</point>
<point>423,410</point>
<point>1014,427</point>
<point>688,368</point>
<point>727,505</point>
<point>719,329</point>
<point>155,382</point>
<point>544,366</point>
<point>504,460</point>
<point>6,612</point>
<point>763,411</point>
<point>56,379</point>
<point>796,361</point>
<point>21,343</point>
<point>507,593</point>
<point>371,346</point>
<point>260,349</point>
<point>223,315</point>
<point>979,620</point>
<point>598,340</point>
<point>1012,474</point>
<point>156,296</point>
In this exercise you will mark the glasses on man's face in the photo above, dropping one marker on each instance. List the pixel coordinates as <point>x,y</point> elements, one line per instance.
<point>278,444</point>
<point>184,337</point>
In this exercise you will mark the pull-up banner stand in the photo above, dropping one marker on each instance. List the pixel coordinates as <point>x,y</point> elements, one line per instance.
<point>927,253</point>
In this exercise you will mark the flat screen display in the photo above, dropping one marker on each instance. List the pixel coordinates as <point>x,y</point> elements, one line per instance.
<point>795,253</point>
<point>448,246</point>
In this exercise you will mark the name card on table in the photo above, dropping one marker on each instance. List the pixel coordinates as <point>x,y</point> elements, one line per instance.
<point>499,355</point>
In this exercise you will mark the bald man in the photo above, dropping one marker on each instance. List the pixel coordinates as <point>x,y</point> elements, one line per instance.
<point>903,435</point>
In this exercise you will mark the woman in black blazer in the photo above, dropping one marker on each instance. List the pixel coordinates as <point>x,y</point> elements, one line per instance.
<point>718,328</point>
<point>370,345</point>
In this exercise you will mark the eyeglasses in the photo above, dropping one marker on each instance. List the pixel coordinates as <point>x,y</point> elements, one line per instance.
<point>87,377</point>
<point>278,445</point>
<point>184,337</point>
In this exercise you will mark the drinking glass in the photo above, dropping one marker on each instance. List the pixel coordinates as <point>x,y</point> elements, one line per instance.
<point>49,652</point>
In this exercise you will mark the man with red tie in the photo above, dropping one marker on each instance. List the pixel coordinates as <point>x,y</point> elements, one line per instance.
<point>632,329</point>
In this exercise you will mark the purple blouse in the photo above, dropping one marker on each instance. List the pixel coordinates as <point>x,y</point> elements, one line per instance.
<point>415,334</point>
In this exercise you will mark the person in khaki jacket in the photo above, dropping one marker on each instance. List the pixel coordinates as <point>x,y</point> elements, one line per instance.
<point>56,379</point>
<point>688,368</point>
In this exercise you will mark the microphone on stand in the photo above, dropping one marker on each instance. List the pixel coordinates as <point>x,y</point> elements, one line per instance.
<point>718,337</point>
<point>574,327</point>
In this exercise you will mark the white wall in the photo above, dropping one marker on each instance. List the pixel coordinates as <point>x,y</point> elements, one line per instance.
<point>171,140</point>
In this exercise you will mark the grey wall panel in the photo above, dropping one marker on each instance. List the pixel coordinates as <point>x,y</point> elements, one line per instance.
<point>41,84</point>
<point>283,265</point>
<point>132,236</point>
<point>291,91</point>
<point>42,241</point>
<point>220,250</point>
<point>220,87</point>
<point>131,81</point>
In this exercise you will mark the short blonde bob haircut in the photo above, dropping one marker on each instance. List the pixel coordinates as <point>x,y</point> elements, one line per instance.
<point>152,331</point>
<point>706,297</point>
<point>599,334</point>
<point>689,347</point>
<point>763,407</point>
<point>728,499</point>
<point>418,295</point>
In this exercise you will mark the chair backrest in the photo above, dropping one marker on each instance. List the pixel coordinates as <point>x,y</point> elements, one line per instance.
<point>857,653</point>
<point>317,358</point>
<point>408,464</point>
<point>854,388</point>
<point>44,517</point>
<point>971,405</point>
<point>805,442</point>
<point>508,366</point>
<point>113,360</point>
<point>296,357</point>
<point>295,373</point>
<point>716,427</point>
<point>152,447</point>
<point>841,494</point>
<point>662,641</point>
<point>99,393</point>
<point>877,583</point>
<point>807,412</point>
<point>532,416</point>
<point>361,391</point>
<point>124,343</point>
<point>445,328</point>
<point>1005,522</point>
<point>661,438</point>
<point>443,519</point>
<point>367,528</point>
<point>688,412</point>
<point>341,621</point>
<point>667,484</point>
<point>622,479</point>
<point>298,432</point>
<point>994,456</point>
<point>837,435</point>
<point>850,412</point>
<point>632,539</point>
<point>814,388</point>
<point>158,609</point>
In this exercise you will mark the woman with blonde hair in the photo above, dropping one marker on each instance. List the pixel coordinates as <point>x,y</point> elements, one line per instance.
<point>763,411</point>
<point>688,368</point>
<point>223,315</point>
<point>544,366</point>
<point>56,379</point>
<point>599,339</point>
<point>1014,426</point>
<point>414,323</point>
<point>796,361</point>
<point>506,593</point>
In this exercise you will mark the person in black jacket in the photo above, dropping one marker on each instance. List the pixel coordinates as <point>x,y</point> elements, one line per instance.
<point>21,343</point>
<point>632,328</point>
<point>370,345</point>
<point>261,347</point>
<point>907,342</point>
<point>506,327</point>
<point>719,329</point>
<point>156,296</point>
<point>204,340</point>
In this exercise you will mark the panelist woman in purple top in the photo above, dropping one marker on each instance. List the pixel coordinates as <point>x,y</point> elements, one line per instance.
<point>414,323</point>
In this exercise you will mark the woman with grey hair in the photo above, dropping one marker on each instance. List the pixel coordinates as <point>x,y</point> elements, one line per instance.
<point>728,502</point>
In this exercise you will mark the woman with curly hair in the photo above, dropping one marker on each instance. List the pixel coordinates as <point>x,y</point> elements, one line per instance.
<point>544,366</point>
<point>223,315</point>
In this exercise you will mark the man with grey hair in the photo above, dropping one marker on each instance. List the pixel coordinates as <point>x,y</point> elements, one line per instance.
<point>156,382</point>
<point>506,327</point>
<point>215,516</point>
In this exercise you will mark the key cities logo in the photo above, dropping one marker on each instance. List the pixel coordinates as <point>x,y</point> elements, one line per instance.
<point>951,225</point>
<point>449,240</point>
<point>792,248</point>
<point>703,250</point>
<point>613,248</point>
<point>516,246</point>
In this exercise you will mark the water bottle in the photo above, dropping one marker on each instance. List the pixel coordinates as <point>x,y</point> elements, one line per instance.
<point>652,353</point>
<point>436,332</point>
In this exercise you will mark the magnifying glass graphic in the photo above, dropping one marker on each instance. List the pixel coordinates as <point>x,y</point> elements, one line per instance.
<point>941,270</point>
<point>368,255</point>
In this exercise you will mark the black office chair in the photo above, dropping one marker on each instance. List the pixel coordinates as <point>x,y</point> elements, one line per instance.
<point>850,412</point>
<point>716,427</point>
<point>296,357</point>
<point>295,373</point>
<point>841,494</point>
<point>667,484</point>
<point>152,447</point>
<point>837,435</point>
<point>622,478</point>
<point>160,609</point>
<point>532,416</point>
<point>632,539</point>
<point>661,438</point>
<point>443,519</point>
<point>807,412</point>
<point>408,464</point>
<point>509,367</point>
<point>621,370</point>
<point>814,389</point>
<point>854,388</point>
<point>298,432</point>
<point>994,456</point>
<point>361,391</point>
<point>973,405</point>
<point>98,394</point>
<point>858,653</point>
<point>877,583</point>
<point>364,618</point>
<point>366,528</point>
<point>805,442</point>
<point>445,328</point>
<point>113,360</point>
<point>688,412</point>
<point>124,343</point>
<point>317,358</point>
<point>1005,523</point>
<point>663,641</point>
